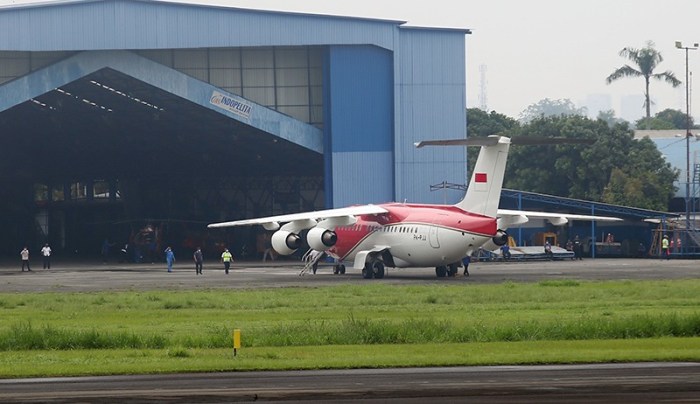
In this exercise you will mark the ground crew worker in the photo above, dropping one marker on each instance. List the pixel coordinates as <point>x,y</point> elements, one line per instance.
<point>226,258</point>
<point>665,252</point>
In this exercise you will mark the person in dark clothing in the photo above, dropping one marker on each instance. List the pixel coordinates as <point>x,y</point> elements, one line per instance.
<point>465,261</point>
<point>198,261</point>
<point>577,249</point>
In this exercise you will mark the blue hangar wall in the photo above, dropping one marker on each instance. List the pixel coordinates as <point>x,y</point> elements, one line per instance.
<point>386,85</point>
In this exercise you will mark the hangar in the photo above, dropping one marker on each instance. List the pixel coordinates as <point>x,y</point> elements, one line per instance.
<point>115,114</point>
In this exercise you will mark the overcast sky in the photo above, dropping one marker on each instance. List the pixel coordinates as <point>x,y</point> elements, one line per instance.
<point>540,49</point>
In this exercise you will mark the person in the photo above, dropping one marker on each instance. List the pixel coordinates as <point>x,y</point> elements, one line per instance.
<point>124,253</point>
<point>465,261</point>
<point>198,260</point>
<point>641,250</point>
<point>548,250</point>
<point>569,245</point>
<point>46,253</point>
<point>268,251</point>
<point>678,244</point>
<point>106,246</point>
<point>25,258</point>
<point>505,251</point>
<point>664,248</point>
<point>609,239</point>
<point>315,257</point>
<point>226,258</point>
<point>169,258</point>
<point>577,248</point>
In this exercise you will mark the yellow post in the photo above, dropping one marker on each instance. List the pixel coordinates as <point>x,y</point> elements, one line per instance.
<point>236,341</point>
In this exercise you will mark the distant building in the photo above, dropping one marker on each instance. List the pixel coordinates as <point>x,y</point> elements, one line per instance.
<point>596,103</point>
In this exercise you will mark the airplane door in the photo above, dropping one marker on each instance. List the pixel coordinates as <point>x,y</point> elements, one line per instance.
<point>433,236</point>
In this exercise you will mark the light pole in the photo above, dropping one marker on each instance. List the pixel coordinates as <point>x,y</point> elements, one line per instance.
<point>679,45</point>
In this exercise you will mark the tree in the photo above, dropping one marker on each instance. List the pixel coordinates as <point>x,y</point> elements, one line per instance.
<point>654,123</point>
<point>678,118</point>
<point>647,60</point>
<point>481,123</point>
<point>646,181</point>
<point>615,169</point>
<point>610,118</point>
<point>666,119</point>
<point>547,107</point>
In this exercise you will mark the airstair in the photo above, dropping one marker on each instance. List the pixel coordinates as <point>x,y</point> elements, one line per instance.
<point>310,259</point>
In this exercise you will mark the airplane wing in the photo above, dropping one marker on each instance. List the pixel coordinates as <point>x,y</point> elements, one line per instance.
<point>271,222</point>
<point>515,217</point>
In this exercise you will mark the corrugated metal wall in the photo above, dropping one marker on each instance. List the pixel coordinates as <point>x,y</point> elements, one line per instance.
<point>430,101</point>
<point>361,124</point>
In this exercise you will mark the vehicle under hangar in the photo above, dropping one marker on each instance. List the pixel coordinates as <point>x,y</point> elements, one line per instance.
<point>116,114</point>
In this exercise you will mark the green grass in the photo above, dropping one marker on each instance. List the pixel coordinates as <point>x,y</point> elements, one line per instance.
<point>349,326</point>
<point>149,361</point>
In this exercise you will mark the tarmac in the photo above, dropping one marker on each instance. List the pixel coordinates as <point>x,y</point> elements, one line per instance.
<point>71,275</point>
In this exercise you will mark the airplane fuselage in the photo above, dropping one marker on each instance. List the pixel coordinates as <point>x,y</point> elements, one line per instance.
<point>416,235</point>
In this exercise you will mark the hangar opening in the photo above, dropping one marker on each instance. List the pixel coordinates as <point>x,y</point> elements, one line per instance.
<point>108,155</point>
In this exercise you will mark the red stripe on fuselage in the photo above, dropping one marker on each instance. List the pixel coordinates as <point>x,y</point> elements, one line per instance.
<point>448,217</point>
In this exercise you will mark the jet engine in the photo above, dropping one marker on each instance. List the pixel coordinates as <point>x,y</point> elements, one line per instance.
<point>285,242</point>
<point>501,238</point>
<point>321,239</point>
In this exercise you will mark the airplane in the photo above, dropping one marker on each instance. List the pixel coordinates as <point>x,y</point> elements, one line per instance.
<point>403,235</point>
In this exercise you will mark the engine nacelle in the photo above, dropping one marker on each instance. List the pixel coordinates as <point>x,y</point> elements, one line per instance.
<point>501,238</point>
<point>321,239</point>
<point>285,242</point>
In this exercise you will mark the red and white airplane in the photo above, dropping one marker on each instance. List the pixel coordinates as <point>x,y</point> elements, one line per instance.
<point>402,235</point>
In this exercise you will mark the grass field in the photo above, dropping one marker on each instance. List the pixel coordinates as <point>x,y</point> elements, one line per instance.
<point>373,325</point>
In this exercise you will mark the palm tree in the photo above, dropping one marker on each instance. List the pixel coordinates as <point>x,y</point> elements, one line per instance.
<point>647,59</point>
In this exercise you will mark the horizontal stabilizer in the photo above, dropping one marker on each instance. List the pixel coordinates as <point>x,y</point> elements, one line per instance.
<point>491,141</point>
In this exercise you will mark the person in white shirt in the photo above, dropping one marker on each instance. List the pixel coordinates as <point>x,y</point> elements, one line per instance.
<point>25,258</point>
<point>46,253</point>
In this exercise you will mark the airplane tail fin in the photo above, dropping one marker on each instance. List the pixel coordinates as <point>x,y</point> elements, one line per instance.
<point>484,191</point>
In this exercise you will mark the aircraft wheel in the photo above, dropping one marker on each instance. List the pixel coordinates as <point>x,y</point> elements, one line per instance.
<point>367,271</point>
<point>453,270</point>
<point>341,269</point>
<point>378,269</point>
<point>335,270</point>
<point>441,271</point>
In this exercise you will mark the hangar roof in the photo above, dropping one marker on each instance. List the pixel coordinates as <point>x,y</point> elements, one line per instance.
<point>214,6</point>
<point>140,24</point>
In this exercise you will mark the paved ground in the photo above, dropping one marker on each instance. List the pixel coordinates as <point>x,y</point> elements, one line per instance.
<point>90,276</point>
<point>613,383</point>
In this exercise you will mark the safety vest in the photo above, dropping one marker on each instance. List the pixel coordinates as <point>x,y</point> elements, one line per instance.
<point>664,244</point>
<point>226,256</point>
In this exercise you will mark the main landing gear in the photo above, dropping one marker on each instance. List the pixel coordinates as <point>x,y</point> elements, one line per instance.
<point>339,269</point>
<point>449,270</point>
<point>373,269</point>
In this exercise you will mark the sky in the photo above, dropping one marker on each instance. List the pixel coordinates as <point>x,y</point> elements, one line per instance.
<point>537,49</point>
